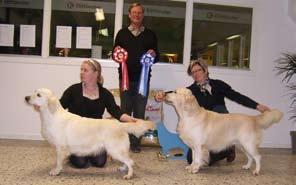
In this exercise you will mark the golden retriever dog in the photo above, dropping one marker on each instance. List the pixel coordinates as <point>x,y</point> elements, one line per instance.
<point>73,134</point>
<point>206,130</point>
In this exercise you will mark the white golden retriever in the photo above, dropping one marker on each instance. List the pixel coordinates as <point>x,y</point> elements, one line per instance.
<point>72,134</point>
<point>204,130</point>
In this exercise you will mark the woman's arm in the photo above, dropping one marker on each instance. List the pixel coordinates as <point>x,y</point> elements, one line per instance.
<point>241,99</point>
<point>66,98</point>
<point>110,103</point>
<point>114,109</point>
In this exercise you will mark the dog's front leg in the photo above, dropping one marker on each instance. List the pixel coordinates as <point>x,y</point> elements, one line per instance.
<point>197,159</point>
<point>189,167</point>
<point>61,155</point>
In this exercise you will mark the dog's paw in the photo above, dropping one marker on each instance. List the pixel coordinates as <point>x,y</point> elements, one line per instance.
<point>127,177</point>
<point>194,169</point>
<point>256,172</point>
<point>54,172</point>
<point>246,167</point>
<point>188,167</point>
<point>123,168</point>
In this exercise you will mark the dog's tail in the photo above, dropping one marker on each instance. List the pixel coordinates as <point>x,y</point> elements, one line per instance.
<point>268,118</point>
<point>139,127</point>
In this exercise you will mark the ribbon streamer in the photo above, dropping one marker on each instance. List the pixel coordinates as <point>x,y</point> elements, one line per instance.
<point>147,61</point>
<point>120,56</point>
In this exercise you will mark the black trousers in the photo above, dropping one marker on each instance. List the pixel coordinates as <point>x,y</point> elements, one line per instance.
<point>133,104</point>
<point>214,157</point>
<point>134,141</point>
<point>98,160</point>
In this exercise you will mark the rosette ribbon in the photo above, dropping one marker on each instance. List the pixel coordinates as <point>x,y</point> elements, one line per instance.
<point>147,61</point>
<point>120,56</point>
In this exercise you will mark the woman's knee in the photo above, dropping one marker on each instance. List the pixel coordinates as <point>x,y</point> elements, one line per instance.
<point>78,162</point>
<point>99,160</point>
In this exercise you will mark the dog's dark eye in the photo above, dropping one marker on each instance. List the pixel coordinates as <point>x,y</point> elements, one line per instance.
<point>39,95</point>
<point>167,92</point>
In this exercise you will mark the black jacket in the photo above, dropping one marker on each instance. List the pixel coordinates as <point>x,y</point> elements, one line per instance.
<point>73,100</point>
<point>220,90</point>
<point>136,46</point>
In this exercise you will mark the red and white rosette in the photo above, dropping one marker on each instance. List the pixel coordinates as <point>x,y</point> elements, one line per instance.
<point>120,56</point>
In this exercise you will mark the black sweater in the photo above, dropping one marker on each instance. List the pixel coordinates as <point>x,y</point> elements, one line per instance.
<point>73,100</point>
<point>136,46</point>
<point>220,90</point>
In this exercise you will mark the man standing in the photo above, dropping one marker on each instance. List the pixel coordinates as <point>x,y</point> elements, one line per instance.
<point>136,40</point>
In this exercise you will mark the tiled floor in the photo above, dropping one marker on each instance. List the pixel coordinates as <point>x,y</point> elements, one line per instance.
<point>28,162</point>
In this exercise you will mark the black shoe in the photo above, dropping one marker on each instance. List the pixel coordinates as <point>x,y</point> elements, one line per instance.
<point>212,161</point>
<point>231,155</point>
<point>214,158</point>
<point>136,149</point>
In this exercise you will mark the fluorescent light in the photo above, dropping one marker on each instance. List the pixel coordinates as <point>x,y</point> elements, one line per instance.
<point>213,44</point>
<point>99,14</point>
<point>170,54</point>
<point>232,37</point>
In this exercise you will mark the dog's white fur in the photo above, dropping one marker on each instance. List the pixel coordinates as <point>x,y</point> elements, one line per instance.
<point>72,134</point>
<point>206,130</point>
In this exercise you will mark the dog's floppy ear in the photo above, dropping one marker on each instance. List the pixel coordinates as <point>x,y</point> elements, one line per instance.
<point>53,104</point>
<point>190,102</point>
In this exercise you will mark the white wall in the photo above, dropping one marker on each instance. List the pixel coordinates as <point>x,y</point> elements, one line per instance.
<point>273,32</point>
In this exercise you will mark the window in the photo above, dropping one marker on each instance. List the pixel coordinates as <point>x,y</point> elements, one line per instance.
<point>167,20</point>
<point>21,27</point>
<point>222,35</point>
<point>77,32</point>
<point>85,28</point>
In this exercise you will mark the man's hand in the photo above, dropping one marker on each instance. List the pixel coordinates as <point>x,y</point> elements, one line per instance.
<point>151,52</point>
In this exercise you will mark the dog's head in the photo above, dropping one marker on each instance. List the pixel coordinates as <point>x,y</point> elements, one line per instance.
<point>43,98</point>
<point>182,99</point>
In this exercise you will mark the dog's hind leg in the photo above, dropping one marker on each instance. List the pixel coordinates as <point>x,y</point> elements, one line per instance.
<point>123,156</point>
<point>257,158</point>
<point>252,152</point>
<point>123,167</point>
<point>250,160</point>
<point>129,163</point>
<point>61,156</point>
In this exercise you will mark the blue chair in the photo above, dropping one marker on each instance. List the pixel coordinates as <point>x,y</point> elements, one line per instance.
<point>169,141</point>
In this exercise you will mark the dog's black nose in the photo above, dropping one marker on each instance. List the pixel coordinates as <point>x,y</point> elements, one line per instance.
<point>27,98</point>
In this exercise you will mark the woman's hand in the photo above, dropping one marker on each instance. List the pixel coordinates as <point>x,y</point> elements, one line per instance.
<point>37,108</point>
<point>127,118</point>
<point>262,108</point>
<point>159,96</point>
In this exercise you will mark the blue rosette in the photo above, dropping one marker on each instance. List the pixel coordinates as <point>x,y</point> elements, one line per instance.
<point>147,61</point>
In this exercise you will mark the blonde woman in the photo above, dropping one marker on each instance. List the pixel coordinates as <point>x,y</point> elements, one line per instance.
<point>90,99</point>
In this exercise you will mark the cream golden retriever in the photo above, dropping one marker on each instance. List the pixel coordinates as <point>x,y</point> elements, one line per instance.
<point>204,130</point>
<point>72,134</point>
